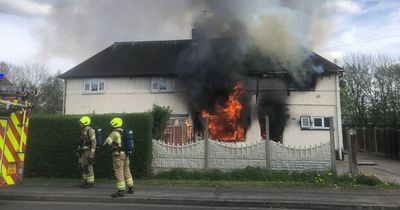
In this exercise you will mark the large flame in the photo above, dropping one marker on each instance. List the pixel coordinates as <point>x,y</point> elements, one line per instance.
<point>225,123</point>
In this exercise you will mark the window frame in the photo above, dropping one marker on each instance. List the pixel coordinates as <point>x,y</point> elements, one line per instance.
<point>302,126</point>
<point>94,81</point>
<point>162,89</point>
<point>322,127</point>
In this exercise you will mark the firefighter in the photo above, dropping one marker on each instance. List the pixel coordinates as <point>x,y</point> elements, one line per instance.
<point>86,151</point>
<point>120,159</point>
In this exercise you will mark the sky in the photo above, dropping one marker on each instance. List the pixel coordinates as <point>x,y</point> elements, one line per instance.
<point>63,33</point>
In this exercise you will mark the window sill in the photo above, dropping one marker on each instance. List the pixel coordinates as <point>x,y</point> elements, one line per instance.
<point>93,93</point>
<point>315,129</point>
<point>158,92</point>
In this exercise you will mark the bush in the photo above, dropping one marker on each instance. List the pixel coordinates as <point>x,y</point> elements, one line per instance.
<point>53,139</point>
<point>161,115</point>
<point>367,180</point>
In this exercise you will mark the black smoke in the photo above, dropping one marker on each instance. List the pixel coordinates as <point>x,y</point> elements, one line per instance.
<point>227,48</point>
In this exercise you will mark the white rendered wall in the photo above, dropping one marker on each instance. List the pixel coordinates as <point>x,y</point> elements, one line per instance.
<point>126,95</point>
<point>121,95</point>
<point>318,103</point>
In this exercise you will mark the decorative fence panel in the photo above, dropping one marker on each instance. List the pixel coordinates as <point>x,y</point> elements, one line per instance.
<point>316,157</point>
<point>235,156</point>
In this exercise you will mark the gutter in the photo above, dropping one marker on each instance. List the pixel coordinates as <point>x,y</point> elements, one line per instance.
<point>65,96</point>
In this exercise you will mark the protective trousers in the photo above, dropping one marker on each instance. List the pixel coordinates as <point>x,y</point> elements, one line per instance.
<point>87,169</point>
<point>122,172</point>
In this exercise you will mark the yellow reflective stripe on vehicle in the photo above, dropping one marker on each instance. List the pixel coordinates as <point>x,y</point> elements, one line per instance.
<point>8,155</point>
<point>8,179</point>
<point>129,182</point>
<point>12,139</point>
<point>21,156</point>
<point>121,185</point>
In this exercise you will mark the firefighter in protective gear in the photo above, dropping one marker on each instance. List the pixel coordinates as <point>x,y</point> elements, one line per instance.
<point>86,151</point>
<point>120,159</point>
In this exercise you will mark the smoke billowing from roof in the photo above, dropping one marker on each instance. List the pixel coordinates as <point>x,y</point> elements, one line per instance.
<point>76,29</point>
<point>232,38</point>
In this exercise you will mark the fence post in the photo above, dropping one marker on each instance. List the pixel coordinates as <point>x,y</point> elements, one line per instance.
<point>267,144</point>
<point>333,151</point>
<point>206,136</point>
<point>375,141</point>
<point>352,144</point>
<point>183,132</point>
<point>398,143</point>
<point>387,144</point>
<point>364,140</point>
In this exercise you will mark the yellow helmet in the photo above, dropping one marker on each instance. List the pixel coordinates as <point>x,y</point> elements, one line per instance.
<point>85,120</point>
<point>116,122</point>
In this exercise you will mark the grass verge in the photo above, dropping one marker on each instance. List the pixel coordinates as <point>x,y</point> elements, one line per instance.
<point>252,177</point>
<point>262,177</point>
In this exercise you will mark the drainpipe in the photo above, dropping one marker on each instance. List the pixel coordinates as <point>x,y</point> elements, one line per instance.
<point>339,118</point>
<point>65,96</point>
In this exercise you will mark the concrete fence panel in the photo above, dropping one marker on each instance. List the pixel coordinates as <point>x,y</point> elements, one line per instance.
<point>235,156</point>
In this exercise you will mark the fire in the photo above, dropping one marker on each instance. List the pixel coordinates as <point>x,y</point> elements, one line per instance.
<point>225,123</point>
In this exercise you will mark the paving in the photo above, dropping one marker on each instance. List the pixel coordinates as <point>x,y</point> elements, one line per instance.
<point>217,196</point>
<point>385,169</point>
<point>52,191</point>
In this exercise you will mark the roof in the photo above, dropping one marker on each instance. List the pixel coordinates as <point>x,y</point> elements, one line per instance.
<point>148,58</point>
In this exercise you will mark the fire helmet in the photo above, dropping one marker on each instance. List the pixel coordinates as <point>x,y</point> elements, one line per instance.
<point>85,120</point>
<point>116,122</point>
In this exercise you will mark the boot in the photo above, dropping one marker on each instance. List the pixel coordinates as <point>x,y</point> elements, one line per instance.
<point>130,190</point>
<point>83,184</point>
<point>118,194</point>
<point>87,185</point>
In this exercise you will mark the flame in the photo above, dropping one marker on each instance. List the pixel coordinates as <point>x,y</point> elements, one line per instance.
<point>225,124</point>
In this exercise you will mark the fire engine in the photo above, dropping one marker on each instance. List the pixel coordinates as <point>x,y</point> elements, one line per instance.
<point>15,110</point>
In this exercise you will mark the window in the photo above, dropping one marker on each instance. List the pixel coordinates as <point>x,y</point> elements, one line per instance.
<point>94,86</point>
<point>305,122</point>
<point>321,123</point>
<point>162,84</point>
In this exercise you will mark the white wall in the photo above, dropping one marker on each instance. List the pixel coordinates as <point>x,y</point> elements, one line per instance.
<point>121,95</point>
<point>134,95</point>
<point>318,103</point>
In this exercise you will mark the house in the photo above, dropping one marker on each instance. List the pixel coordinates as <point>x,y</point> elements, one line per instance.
<point>132,76</point>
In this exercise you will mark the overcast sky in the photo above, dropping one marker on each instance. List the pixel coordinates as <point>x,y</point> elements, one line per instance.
<point>63,33</point>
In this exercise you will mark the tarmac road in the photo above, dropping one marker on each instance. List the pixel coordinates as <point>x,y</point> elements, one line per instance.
<point>41,205</point>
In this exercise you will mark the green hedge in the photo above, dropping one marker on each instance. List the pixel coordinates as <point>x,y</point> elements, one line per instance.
<point>53,139</point>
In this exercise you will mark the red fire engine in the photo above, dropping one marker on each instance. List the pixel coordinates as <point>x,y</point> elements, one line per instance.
<point>14,125</point>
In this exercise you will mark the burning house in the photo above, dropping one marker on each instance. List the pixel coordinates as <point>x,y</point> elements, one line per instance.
<point>235,90</point>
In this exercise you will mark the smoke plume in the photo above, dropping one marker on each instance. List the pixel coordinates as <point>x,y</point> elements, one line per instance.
<point>232,38</point>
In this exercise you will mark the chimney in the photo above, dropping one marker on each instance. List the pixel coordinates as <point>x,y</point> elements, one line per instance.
<point>198,35</point>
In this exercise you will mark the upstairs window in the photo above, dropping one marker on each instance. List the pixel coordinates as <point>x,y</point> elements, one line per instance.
<point>93,86</point>
<point>162,84</point>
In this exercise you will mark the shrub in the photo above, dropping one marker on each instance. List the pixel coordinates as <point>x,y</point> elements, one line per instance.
<point>367,180</point>
<point>53,139</point>
<point>161,115</point>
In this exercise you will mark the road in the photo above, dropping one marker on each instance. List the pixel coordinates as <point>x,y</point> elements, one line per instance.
<point>41,205</point>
